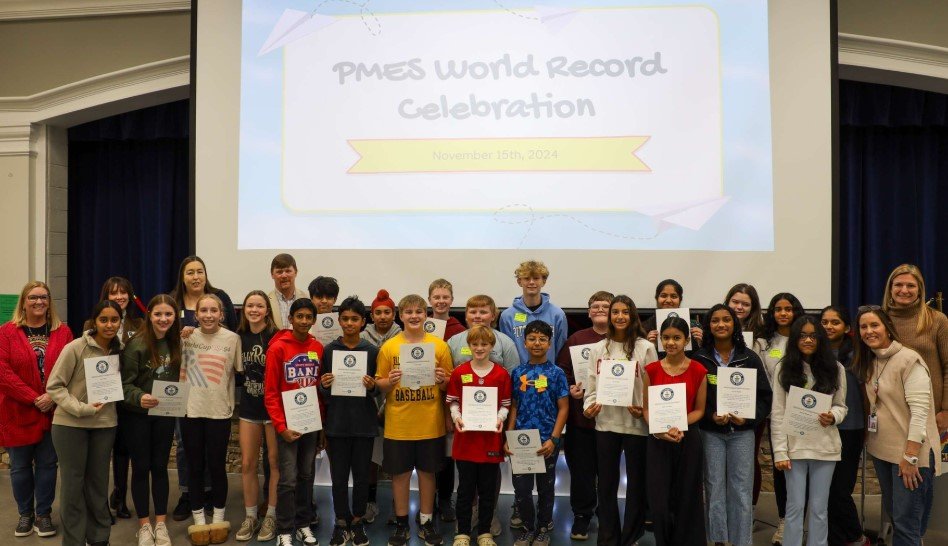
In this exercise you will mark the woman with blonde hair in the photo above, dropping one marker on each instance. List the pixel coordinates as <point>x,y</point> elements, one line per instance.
<point>30,344</point>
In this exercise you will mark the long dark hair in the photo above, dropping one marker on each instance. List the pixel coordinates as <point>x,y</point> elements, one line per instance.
<point>244,326</point>
<point>172,336</point>
<point>180,290</point>
<point>769,329</point>
<point>97,309</point>
<point>822,362</point>
<point>754,322</point>
<point>863,355</point>
<point>736,338</point>
<point>844,354</point>
<point>120,283</point>
<point>636,330</point>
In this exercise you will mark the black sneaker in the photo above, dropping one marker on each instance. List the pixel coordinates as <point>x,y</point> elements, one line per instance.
<point>580,530</point>
<point>183,510</point>
<point>24,527</point>
<point>399,536</point>
<point>340,535</point>
<point>44,526</point>
<point>429,534</point>
<point>117,503</point>
<point>357,534</point>
<point>516,522</point>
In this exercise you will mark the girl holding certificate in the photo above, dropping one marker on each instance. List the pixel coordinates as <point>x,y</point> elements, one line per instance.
<point>728,439</point>
<point>84,433</point>
<point>901,425</point>
<point>153,354</point>
<point>675,458</point>
<point>770,346</point>
<point>620,429</point>
<point>811,456</point>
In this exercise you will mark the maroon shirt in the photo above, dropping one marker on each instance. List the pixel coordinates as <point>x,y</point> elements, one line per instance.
<point>565,362</point>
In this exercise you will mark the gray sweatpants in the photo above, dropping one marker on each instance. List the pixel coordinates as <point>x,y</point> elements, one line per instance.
<point>84,456</point>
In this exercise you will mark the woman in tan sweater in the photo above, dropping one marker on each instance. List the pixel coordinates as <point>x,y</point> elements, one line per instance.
<point>901,425</point>
<point>921,329</point>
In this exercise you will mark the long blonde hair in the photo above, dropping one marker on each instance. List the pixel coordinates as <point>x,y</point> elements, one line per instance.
<point>925,314</point>
<point>19,314</point>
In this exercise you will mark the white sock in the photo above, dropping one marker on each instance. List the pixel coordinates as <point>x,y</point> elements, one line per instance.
<point>271,511</point>
<point>198,516</point>
<point>218,516</point>
<point>251,511</point>
<point>425,518</point>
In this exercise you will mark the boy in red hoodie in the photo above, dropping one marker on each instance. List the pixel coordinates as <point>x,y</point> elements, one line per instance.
<point>293,362</point>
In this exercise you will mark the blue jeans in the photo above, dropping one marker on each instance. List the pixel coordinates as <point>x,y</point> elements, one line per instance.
<point>33,474</point>
<point>910,510</point>
<point>820,475</point>
<point>729,486</point>
<point>542,515</point>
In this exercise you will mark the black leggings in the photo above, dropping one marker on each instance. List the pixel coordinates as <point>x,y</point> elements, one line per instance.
<point>148,440</point>
<point>205,444</point>
<point>349,454</point>
<point>120,458</point>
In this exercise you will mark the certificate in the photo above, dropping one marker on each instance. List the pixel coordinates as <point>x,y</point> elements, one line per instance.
<point>417,363</point>
<point>666,408</point>
<point>103,380</point>
<point>662,314</point>
<point>348,369</point>
<point>326,328</point>
<point>802,415</point>
<point>523,446</point>
<point>436,327</point>
<point>301,407</point>
<point>579,354</point>
<point>479,408</point>
<point>172,398</point>
<point>615,383</point>
<point>737,392</point>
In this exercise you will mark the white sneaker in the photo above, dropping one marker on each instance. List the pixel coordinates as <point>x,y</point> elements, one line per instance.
<point>161,534</point>
<point>778,534</point>
<point>146,537</point>
<point>284,540</point>
<point>371,511</point>
<point>305,535</point>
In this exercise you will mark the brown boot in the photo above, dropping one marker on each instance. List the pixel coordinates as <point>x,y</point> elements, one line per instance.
<point>200,535</point>
<point>219,532</point>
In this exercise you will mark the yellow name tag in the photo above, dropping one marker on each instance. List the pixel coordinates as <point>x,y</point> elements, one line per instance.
<point>775,353</point>
<point>712,379</point>
<point>466,351</point>
<point>313,355</point>
<point>520,317</point>
<point>467,378</point>
<point>540,383</point>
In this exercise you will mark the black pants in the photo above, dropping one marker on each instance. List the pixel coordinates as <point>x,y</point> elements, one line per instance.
<point>120,458</point>
<point>609,448</point>
<point>675,490</point>
<point>205,444</point>
<point>349,454</point>
<point>780,482</point>
<point>580,452</point>
<point>444,480</point>
<point>479,479</point>
<point>541,515</point>
<point>844,524</point>
<point>295,488</point>
<point>148,439</point>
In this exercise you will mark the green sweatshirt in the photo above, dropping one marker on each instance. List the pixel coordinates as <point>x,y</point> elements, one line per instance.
<point>139,372</point>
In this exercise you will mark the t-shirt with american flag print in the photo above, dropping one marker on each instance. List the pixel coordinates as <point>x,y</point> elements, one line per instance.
<point>209,362</point>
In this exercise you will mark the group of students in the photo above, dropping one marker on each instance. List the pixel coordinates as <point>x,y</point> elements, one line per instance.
<point>886,380</point>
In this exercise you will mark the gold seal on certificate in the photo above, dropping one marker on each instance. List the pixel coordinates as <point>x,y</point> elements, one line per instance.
<point>802,417</point>
<point>348,369</point>
<point>737,392</point>
<point>616,381</point>
<point>103,380</point>
<point>579,354</point>
<point>301,407</point>
<point>326,328</point>
<point>667,408</point>
<point>436,327</point>
<point>417,363</point>
<point>172,398</point>
<point>479,408</point>
<point>523,446</point>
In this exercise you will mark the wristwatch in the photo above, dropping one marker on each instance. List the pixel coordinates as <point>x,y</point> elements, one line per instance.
<point>556,441</point>
<point>912,459</point>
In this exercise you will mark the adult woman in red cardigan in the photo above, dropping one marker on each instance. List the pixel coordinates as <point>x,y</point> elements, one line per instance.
<point>29,346</point>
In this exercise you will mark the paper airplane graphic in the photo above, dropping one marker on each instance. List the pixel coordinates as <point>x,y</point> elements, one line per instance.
<point>555,18</point>
<point>292,26</point>
<point>692,215</point>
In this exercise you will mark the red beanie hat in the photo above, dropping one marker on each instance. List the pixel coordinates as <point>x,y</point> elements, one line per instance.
<point>383,299</point>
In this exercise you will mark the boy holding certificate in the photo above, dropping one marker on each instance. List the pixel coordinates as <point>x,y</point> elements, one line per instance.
<point>539,402</point>
<point>293,361</point>
<point>479,396</point>
<point>351,423</point>
<point>413,368</point>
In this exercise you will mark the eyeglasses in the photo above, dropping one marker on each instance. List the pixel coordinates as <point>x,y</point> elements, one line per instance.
<point>811,337</point>
<point>37,298</point>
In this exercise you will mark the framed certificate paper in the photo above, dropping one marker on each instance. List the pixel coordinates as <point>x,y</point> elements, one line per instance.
<point>172,398</point>
<point>479,408</point>
<point>348,369</point>
<point>301,407</point>
<point>737,392</point>
<point>103,380</point>
<point>579,354</point>
<point>436,327</point>
<point>417,363</point>
<point>667,408</point>
<point>616,381</point>
<point>523,446</point>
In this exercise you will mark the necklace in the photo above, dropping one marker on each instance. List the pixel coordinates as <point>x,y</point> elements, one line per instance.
<point>39,331</point>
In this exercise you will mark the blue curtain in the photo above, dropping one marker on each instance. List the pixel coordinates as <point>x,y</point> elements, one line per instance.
<point>893,187</point>
<point>128,203</point>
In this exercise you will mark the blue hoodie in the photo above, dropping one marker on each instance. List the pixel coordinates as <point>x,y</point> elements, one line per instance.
<point>515,318</point>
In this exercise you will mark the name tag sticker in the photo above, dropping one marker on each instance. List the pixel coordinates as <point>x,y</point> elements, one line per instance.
<point>520,317</point>
<point>775,353</point>
<point>540,383</point>
<point>467,378</point>
<point>466,351</point>
<point>712,379</point>
<point>313,355</point>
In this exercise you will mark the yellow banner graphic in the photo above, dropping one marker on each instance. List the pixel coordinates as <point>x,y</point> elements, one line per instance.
<point>555,154</point>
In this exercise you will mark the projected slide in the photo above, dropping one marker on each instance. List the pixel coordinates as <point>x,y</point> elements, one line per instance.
<point>493,124</point>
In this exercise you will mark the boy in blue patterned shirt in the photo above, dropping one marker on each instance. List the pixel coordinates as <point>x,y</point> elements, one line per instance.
<point>540,401</point>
